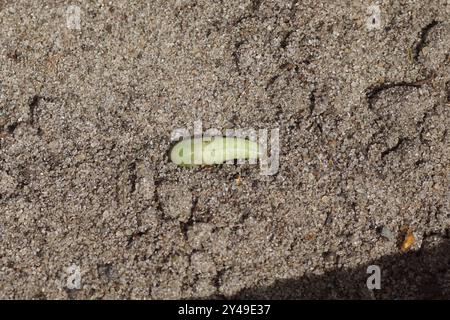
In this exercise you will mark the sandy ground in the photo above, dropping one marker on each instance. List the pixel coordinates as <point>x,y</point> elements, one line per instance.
<point>88,193</point>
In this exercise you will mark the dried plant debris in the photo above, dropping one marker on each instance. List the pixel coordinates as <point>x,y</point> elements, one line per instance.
<point>406,239</point>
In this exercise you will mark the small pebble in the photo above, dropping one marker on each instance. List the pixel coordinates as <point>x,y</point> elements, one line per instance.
<point>386,233</point>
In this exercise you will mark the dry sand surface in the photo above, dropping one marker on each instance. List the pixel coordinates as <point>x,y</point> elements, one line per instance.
<point>86,116</point>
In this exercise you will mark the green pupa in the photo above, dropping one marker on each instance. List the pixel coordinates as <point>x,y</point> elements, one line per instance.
<point>213,150</point>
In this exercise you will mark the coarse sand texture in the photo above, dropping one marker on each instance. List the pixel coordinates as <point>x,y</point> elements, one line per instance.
<point>91,93</point>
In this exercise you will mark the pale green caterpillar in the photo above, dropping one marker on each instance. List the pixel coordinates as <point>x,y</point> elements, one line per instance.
<point>213,150</point>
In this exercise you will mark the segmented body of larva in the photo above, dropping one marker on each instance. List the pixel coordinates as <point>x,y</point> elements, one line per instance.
<point>213,150</point>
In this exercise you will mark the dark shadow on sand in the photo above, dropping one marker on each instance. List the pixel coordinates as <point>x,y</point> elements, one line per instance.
<point>423,274</point>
